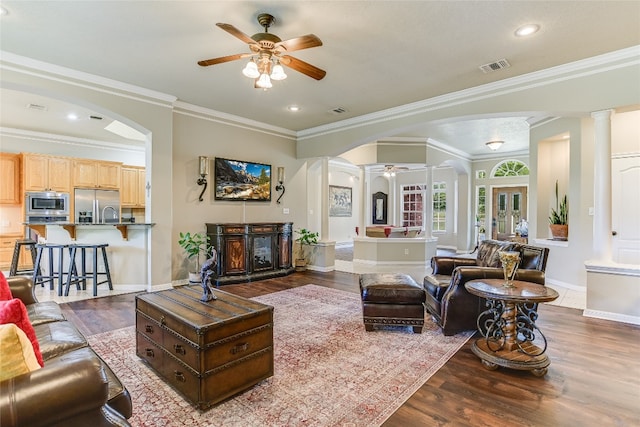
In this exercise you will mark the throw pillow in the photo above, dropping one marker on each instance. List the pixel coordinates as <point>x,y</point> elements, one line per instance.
<point>17,352</point>
<point>14,311</point>
<point>5,290</point>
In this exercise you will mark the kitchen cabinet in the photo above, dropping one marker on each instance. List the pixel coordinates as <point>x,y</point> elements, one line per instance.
<point>96,174</point>
<point>7,244</point>
<point>132,187</point>
<point>46,173</point>
<point>10,179</point>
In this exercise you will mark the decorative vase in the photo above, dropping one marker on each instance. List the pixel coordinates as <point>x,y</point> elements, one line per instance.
<point>559,231</point>
<point>509,266</point>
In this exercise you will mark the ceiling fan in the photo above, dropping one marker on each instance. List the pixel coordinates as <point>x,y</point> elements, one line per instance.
<point>390,170</point>
<point>268,51</point>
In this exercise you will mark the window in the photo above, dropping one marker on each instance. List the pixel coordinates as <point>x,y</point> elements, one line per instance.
<point>481,174</point>
<point>439,206</point>
<point>481,204</point>
<point>511,168</point>
<point>413,205</point>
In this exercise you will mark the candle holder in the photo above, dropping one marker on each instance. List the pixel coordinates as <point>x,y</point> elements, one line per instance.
<point>510,262</point>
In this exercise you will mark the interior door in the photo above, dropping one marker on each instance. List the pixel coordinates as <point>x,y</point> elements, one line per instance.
<point>625,204</point>
<point>509,207</point>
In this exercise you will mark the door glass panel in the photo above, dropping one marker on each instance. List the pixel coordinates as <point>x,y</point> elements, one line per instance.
<point>502,212</point>
<point>516,199</point>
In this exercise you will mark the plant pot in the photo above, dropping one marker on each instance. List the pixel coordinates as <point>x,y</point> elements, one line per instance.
<point>195,277</point>
<point>559,231</point>
<point>301,264</point>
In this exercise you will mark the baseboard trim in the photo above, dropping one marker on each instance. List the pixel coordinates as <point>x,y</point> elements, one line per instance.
<point>321,269</point>
<point>565,285</point>
<point>616,317</point>
<point>370,262</point>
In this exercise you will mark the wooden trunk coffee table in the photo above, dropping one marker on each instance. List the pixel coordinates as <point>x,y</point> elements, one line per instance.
<point>208,351</point>
<point>508,325</point>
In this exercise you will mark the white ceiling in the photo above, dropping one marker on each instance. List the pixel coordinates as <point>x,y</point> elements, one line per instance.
<point>377,54</point>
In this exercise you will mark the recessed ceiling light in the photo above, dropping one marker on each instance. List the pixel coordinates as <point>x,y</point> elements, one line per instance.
<point>72,116</point>
<point>293,108</point>
<point>527,30</point>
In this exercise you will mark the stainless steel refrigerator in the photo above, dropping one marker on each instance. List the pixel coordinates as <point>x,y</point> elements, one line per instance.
<point>97,206</point>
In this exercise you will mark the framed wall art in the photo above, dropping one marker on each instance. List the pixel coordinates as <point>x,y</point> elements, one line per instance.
<point>339,201</point>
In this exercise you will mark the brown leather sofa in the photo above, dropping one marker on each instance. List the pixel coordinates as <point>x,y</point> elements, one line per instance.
<point>450,304</point>
<point>74,388</point>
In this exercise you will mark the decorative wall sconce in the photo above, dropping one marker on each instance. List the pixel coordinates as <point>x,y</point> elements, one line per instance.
<point>203,167</point>
<point>280,186</point>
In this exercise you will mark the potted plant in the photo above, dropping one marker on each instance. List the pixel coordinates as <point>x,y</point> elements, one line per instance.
<point>194,245</point>
<point>305,237</point>
<point>558,218</point>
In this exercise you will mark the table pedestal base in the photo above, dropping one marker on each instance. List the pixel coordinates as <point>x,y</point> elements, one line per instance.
<point>513,359</point>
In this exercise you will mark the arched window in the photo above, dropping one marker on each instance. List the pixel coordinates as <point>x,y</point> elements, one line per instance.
<point>510,168</point>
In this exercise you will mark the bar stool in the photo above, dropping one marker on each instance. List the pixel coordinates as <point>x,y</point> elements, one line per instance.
<point>76,277</point>
<point>40,278</point>
<point>31,245</point>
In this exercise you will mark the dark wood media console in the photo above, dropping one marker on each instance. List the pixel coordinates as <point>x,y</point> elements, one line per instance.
<point>251,251</point>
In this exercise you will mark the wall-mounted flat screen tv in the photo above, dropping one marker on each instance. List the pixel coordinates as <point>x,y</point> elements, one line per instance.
<point>240,180</point>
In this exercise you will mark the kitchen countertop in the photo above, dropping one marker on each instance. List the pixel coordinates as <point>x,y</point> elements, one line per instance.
<point>70,227</point>
<point>87,223</point>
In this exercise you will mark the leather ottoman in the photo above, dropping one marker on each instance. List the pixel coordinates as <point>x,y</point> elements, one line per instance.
<point>392,299</point>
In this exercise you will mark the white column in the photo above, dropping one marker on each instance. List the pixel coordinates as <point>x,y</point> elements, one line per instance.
<point>324,215</point>
<point>393,200</point>
<point>365,200</point>
<point>428,203</point>
<point>602,240</point>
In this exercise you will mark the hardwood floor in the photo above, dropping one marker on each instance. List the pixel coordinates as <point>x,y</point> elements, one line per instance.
<point>593,380</point>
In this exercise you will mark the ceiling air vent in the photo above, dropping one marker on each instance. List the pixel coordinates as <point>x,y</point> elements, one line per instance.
<point>495,66</point>
<point>338,110</point>
<point>36,107</point>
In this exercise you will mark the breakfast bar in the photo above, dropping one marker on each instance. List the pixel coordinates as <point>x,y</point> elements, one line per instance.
<point>128,245</point>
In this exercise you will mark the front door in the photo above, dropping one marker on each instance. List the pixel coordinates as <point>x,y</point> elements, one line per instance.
<point>509,207</point>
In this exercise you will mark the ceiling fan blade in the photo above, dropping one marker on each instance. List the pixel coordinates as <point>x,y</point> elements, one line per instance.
<point>303,67</point>
<point>223,59</point>
<point>299,43</point>
<point>236,32</point>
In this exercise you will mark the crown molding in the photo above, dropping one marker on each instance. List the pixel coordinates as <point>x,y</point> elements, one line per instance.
<point>24,65</point>
<point>192,110</point>
<point>595,65</point>
<point>70,140</point>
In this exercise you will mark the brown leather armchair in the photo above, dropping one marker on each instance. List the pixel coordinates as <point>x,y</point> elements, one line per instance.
<point>450,304</point>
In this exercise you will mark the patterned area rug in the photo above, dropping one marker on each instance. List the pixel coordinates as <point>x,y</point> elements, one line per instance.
<point>328,370</point>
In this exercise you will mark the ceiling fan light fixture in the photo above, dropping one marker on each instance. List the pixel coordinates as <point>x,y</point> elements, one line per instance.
<point>494,145</point>
<point>264,82</point>
<point>277,73</point>
<point>251,70</point>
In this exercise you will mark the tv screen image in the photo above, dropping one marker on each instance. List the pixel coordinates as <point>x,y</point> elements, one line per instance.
<point>239,180</point>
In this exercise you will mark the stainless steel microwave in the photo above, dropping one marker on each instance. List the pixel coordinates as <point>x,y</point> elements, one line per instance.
<point>47,203</point>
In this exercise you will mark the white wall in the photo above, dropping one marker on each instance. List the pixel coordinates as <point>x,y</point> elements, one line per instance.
<point>343,229</point>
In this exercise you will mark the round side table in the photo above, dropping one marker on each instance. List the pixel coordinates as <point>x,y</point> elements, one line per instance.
<point>508,325</point>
